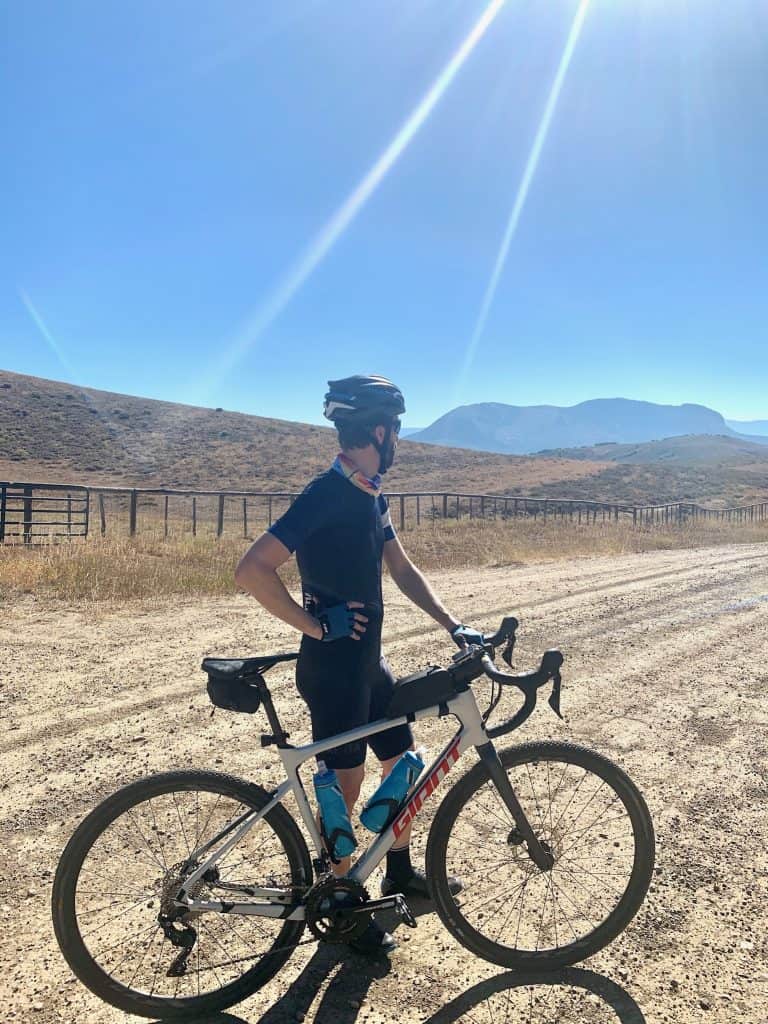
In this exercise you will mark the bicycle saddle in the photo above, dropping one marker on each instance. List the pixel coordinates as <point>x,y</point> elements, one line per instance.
<point>231,668</point>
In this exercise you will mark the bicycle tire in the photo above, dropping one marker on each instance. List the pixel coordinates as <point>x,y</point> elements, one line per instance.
<point>96,825</point>
<point>466,790</point>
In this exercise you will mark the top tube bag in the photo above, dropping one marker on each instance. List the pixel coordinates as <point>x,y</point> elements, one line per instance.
<point>421,690</point>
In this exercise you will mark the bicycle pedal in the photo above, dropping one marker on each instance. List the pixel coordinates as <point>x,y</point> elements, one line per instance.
<point>404,911</point>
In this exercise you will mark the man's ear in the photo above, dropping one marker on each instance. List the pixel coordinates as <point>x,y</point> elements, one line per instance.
<point>379,432</point>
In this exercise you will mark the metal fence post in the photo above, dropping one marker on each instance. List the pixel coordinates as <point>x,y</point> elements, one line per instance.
<point>3,503</point>
<point>220,516</point>
<point>27,515</point>
<point>132,513</point>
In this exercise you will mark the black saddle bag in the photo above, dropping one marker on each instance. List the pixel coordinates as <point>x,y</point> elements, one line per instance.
<point>229,687</point>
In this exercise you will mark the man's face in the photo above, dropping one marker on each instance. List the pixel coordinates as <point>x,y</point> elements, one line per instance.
<point>381,432</point>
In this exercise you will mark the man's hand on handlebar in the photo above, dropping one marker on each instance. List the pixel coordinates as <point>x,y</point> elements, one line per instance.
<point>465,636</point>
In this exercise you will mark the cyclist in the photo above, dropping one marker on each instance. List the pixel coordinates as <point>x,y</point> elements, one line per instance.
<point>339,528</point>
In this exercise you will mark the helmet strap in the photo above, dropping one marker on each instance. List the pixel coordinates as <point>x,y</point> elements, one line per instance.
<point>384,448</point>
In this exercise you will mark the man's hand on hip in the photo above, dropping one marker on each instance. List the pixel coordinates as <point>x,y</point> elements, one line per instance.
<point>342,620</point>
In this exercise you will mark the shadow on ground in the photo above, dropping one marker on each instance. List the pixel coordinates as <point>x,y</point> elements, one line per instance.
<point>511,997</point>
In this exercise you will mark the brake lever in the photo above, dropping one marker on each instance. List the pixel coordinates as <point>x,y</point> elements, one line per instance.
<point>554,697</point>
<point>506,654</point>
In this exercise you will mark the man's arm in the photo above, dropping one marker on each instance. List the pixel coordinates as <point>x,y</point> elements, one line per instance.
<point>257,574</point>
<point>413,584</point>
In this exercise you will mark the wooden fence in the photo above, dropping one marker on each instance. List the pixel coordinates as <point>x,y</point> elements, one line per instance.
<point>39,513</point>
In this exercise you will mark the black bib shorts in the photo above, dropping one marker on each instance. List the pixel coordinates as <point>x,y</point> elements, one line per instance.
<point>338,532</point>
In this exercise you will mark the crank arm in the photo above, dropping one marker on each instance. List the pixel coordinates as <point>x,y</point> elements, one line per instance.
<point>395,902</point>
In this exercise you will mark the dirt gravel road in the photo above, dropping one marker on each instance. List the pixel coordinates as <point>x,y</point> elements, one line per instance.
<point>665,672</point>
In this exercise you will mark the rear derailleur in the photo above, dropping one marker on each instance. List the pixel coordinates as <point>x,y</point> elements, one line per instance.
<point>175,920</point>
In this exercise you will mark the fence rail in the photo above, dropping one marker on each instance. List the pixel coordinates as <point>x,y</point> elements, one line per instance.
<point>39,512</point>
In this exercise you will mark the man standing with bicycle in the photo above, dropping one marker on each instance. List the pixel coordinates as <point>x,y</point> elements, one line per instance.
<point>340,530</point>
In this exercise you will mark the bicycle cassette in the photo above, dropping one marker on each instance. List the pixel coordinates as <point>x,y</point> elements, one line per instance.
<point>334,911</point>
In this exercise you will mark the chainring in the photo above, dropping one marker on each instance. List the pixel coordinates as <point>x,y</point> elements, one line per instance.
<point>328,908</point>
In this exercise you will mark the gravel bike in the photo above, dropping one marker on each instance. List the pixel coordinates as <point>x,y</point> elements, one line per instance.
<point>186,891</point>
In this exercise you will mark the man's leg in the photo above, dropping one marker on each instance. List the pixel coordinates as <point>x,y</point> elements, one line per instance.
<point>400,875</point>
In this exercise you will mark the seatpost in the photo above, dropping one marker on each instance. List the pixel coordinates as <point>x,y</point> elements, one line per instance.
<point>279,737</point>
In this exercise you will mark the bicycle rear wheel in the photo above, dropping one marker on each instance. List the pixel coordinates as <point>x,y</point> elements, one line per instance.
<point>590,815</point>
<point>123,861</point>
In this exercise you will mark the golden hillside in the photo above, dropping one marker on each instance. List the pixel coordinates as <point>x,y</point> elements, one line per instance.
<point>57,432</point>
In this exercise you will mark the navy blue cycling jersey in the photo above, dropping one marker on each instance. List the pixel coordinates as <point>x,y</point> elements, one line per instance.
<point>338,532</point>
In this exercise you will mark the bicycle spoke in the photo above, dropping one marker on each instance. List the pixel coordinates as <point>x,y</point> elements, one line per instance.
<point>128,874</point>
<point>159,863</point>
<point>573,796</point>
<point>152,938</point>
<point>181,823</point>
<point>581,818</point>
<point>115,917</point>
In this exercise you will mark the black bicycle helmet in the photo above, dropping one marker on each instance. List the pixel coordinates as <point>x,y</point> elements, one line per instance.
<point>368,400</point>
<point>362,398</point>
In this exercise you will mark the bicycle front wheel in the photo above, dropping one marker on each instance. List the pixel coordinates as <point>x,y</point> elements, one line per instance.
<point>122,866</point>
<point>592,818</point>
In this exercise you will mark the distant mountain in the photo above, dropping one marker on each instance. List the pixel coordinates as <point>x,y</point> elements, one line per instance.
<point>759,427</point>
<point>512,429</point>
<point>689,450</point>
<point>59,432</point>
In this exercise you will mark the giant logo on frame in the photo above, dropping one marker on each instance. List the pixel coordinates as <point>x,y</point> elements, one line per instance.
<point>428,786</point>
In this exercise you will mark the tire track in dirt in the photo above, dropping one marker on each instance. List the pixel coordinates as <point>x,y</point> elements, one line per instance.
<point>591,590</point>
<point>675,652</point>
<point>165,694</point>
<point>664,674</point>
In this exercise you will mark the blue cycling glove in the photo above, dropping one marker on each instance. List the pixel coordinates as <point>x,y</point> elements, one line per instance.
<point>465,636</point>
<point>337,622</point>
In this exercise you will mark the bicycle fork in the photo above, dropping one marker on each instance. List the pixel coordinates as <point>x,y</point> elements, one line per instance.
<point>540,856</point>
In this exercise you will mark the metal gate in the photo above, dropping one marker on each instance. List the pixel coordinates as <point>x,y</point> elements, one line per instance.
<point>38,513</point>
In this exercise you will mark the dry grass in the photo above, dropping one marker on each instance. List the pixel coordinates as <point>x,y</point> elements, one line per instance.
<point>56,432</point>
<point>147,568</point>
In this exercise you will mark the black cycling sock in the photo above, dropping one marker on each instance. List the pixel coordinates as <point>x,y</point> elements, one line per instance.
<point>399,867</point>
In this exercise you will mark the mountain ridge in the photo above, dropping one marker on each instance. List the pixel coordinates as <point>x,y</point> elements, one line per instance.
<point>524,430</point>
<point>57,432</point>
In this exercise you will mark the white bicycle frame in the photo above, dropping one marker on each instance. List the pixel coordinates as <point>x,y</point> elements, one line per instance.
<point>282,904</point>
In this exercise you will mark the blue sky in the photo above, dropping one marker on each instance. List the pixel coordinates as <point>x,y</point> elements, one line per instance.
<point>226,203</point>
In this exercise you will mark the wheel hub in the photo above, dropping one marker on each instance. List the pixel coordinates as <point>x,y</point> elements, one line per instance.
<point>170,885</point>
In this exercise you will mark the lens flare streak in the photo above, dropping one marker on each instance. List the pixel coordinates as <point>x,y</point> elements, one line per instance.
<point>525,184</point>
<point>343,217</point>
<point>43,329</point>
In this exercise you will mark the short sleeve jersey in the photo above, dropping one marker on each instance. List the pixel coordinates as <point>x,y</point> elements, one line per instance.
<point>338,532</point>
